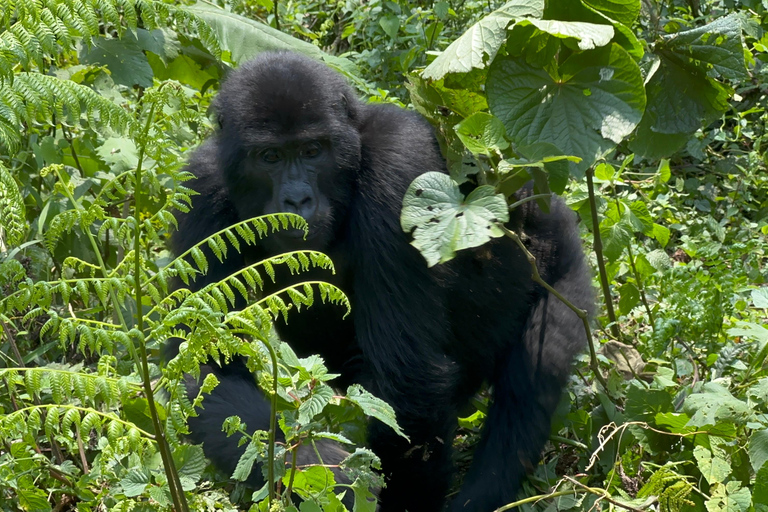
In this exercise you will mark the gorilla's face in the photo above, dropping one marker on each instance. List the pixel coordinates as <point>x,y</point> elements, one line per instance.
<point>295,176</point>
<point>289,142</point>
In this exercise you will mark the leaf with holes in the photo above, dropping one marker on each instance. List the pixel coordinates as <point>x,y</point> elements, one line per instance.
<point>443,221</point>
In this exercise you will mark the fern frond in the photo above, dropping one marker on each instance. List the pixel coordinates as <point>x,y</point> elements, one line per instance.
<point>244,230</point>
<point>35,97</point>
<point>12,217</point>
<point>35,31</point>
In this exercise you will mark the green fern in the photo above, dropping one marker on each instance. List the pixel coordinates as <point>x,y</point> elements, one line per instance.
<point>12,217</point>
<point>671,488</point>
<point>34,97</point>
<point>44,29</point>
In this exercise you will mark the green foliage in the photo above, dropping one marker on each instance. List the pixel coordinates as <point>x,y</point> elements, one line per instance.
<point>92,113</point>
<point>100,99</point>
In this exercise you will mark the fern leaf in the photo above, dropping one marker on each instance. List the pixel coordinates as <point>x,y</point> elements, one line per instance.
<point>12,217</point>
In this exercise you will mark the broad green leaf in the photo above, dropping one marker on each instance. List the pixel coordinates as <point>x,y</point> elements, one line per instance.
<point>32,499</point>
<point>245,38</point>
<point>682,93</point>
<point>321,395</point>
<point>588,35</point>
<point>760,298</point>
<point>482,133</point>
<point>758,449</point>
<point>659,260</point>
<point>245,463</point>
<point>478,45</point>
<point>640,218</point>
<point>661,233</point>
<point>730,497</point>
<point>716,46</point>
<point>760,491</point>
<point>125,60</point>
<point>713,468</point>
<point>135,481</point>
<point>623,11</point>
<point>190,461</point>
<point>594,102</point>
<point>714,404</point>
<point>375,407</point>
<point>629,297</point>
<point>365,501</point>
<point>391,25</point>
<point>620,14</point>
<point>443,221</point>
<point>615,238</point>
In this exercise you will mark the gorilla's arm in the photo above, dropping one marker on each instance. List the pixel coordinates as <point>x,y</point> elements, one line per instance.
<point>529,381</point>
<point>401,321</point>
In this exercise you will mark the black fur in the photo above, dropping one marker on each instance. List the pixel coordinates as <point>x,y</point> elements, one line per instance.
<point>423,339</point>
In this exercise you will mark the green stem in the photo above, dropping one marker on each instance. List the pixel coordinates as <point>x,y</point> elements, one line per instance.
<point>174,483</point>
<point>598,246</point>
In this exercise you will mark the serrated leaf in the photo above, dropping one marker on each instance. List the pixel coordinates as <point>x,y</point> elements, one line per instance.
<point>135,482</point>
<point>588,35</point>
<point>375,407</point>
<point>478,45</point>
<point>714,469</point>
<point>482,133</point>
<point>321,396</point>
<point>758,449</point>
<point>615,237</point>
<point>716,46</point>
<point>443,221</point>
<point>594,102</point>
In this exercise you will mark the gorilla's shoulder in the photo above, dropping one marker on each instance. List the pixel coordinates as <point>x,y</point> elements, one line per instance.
<point>398,145</point>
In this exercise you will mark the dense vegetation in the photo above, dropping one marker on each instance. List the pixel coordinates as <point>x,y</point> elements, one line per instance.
<point>649,118</point>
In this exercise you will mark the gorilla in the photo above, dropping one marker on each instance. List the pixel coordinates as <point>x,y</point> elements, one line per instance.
<point>293,137</point>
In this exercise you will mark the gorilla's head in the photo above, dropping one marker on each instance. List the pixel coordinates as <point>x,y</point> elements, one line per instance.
<point>289,142</point>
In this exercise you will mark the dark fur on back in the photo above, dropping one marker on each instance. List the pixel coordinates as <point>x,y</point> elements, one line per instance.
<point>423,339</point>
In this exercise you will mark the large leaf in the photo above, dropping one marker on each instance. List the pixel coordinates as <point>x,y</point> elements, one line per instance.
<point>478,45</point>
<point>443,221</point>
<point>683,94</point>
<point>124,58</point>
<point>620,14</point>
<point>588,35</point>
<point>623,11</point>
<point>717,47</point>
<point>596,99</point>
<point>244,38</point>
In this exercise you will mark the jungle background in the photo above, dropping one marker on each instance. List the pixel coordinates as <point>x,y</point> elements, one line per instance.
<point>663,158</point>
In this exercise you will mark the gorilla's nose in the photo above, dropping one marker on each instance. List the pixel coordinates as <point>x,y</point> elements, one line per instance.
<point>303,205</point>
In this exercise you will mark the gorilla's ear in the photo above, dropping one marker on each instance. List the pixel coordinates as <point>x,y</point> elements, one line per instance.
<point>349,103</point>
<point>217,109</point>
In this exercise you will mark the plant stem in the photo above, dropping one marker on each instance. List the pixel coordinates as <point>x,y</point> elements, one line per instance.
<point>598,246</point>
<point>640,285</point>
<point>177,493</point>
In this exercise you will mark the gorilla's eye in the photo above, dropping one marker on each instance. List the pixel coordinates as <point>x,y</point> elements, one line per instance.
<point>311,150</point>
<point>271,156</point>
